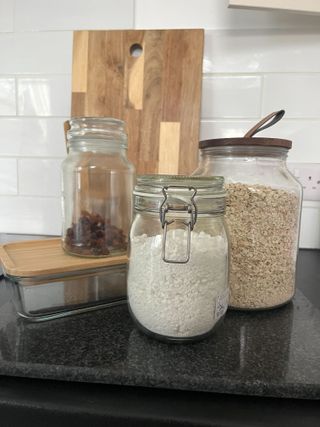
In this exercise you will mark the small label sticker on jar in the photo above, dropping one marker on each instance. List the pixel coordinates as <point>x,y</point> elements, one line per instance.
<point>222,304</point>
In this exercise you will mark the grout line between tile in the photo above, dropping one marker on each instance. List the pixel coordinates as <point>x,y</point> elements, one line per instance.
<point>228,119</point>
<point>40,31</point>
<point>17,172</point>
<point>12,156</point>
<point>261,95</point>
<point>18,116</point>
<point>256,73</point>
<point>308,30</point>
<point>14,16</point>
<point>25,196</point>
<point>39,196</point>
<point>239,119</point>
<point>206,119</point>
<point>205,74</point>
<point>16,96</point>
<point>134,15</point>
<point>285,119</point>
<point>34,76</point>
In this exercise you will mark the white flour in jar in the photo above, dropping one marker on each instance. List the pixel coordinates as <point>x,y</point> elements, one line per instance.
<point>178,300</point>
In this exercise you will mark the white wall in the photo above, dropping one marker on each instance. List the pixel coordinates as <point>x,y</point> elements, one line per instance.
<point>255,62</point>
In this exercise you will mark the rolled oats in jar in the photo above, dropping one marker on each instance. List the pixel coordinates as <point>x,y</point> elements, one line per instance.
<point>263,208</point>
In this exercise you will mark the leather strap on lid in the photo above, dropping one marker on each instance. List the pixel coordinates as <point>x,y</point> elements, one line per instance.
<point>272,118</point>
<point>248,139</point>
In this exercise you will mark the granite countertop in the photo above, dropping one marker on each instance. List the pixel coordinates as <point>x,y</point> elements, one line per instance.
<point>271,353</point>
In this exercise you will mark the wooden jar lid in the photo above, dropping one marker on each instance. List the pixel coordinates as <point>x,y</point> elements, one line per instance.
<point>243,141</point>
<point>248,139</point>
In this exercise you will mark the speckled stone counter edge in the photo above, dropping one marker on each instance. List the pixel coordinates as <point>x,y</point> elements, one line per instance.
<point>101,376</point>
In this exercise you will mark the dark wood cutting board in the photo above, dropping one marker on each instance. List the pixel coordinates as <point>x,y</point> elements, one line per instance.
<point>156,93</point>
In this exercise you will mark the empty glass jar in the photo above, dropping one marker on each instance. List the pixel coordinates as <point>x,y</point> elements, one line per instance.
<point>178,268</point>
<point>97,188</point>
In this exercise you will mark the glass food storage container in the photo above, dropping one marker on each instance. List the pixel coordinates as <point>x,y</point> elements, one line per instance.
<point>262,214</point>
<point>178,267</point>
<point>97,188</point>
<point>48,283</point>
<point>45,298</point>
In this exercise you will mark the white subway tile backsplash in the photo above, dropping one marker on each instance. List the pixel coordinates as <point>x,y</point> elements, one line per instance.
<point>7,97</point>
<point>254,62</point>
<point>178,14</point>
<point>73,15</point>
<point>298,94</point>
<point>8,176</point>
<point>231,96</point>
<point>310,225</point>
<point>210,129</point>
<point>32,137</point>
<point>39,177</point>
<point>261,51</point>
<point>305,137</point>
<point>213,14</point>
<point>45,96</point>
<point>30,215</point>
<point>6,15</point>
<point>36,53</point>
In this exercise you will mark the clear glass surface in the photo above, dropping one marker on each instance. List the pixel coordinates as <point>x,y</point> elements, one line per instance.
<point>98,181</point>
<point>263,217</point>
<point>173,296</point>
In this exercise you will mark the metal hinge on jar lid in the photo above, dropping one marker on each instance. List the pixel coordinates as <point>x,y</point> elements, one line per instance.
<point>190,208</point>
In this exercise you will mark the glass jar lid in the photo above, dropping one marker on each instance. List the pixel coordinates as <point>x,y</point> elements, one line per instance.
<point>97,128</point>
<point>179,199</point>
<point>207,193</point>
<point>205,185</point>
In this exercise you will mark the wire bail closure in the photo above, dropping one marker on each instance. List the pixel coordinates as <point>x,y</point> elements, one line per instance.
<point>190,208</point>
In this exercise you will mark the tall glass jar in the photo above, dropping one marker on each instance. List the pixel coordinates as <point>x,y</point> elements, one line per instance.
<point>178,268</point>
<point>97,188</point>
<point>262,214</point>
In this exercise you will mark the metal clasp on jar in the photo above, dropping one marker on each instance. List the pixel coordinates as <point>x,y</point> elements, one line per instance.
<point>190,208</point>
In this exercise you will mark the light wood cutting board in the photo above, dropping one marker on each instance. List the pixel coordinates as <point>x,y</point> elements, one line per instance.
<point>157,93</point>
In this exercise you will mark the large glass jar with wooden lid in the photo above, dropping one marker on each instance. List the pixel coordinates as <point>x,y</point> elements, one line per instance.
<point>97,189</point>
<point>263,208</point>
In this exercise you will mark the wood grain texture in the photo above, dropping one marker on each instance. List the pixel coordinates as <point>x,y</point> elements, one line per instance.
<point>34,258</point>
<point>80,59</point>
<point>169,145</point>
<point>163,84</point>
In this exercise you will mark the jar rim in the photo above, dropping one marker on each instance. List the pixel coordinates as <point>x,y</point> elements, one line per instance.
<point>97,128</point>
<point>206,193</point>
<point>205,185</point>
<point>89,119</point>
<point>246,142</point>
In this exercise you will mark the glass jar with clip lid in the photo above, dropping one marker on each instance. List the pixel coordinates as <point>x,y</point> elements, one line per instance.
<point>178,269</point>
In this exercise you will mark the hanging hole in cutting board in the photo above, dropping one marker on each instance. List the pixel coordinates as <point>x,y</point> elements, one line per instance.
<point>136,50</point>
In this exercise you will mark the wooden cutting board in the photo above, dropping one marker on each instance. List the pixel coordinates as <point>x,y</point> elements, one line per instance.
<point>151,79</point>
